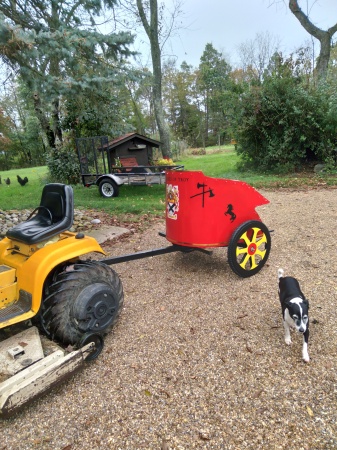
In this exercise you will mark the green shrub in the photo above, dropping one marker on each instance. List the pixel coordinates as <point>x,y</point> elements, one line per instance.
<point>63,165</point>
<point>283,124</point>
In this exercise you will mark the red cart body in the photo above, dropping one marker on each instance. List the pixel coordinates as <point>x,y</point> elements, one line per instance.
<point>204,212</point>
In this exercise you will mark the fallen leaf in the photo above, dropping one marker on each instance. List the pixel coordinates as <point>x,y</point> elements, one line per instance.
<point>310,411</point>
<point>257,393</point>
<point>168,395</point>
<point>249,348</point>
<point>23,344</point>
<point>204,435</point>
<point>242,316</point>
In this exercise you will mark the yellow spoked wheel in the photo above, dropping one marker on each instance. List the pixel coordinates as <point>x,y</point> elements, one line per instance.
<point>249,248</point>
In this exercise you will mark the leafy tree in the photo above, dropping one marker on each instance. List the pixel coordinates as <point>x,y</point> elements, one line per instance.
<point>24,129</point>
<point>108,111</point>
<point>180,102</point>
<point>141,105</point>
<point>50,43</point>
<point>5,142</point>
<point>213,82</point>
<point>297,65</point>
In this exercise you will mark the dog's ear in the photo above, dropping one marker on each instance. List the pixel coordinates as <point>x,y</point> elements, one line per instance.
<point>288,305</point>
<point>306,302</point>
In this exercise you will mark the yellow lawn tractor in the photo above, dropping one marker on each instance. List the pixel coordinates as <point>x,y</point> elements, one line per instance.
<point>65,304</point>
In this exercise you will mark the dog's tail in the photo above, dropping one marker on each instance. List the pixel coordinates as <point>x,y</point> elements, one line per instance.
<point>280,273</point>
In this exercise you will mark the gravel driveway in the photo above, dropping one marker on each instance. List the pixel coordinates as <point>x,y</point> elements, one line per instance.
<point>198,359</point>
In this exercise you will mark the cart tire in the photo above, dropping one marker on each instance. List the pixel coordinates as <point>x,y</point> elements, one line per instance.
<point>249,248</point>
<point>84,298</point>
<point>108,188</point>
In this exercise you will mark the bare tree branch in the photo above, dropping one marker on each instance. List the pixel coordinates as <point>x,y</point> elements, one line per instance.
<point>323,36</point>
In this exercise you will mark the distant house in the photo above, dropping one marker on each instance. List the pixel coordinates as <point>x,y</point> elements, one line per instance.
<point>132,147</point>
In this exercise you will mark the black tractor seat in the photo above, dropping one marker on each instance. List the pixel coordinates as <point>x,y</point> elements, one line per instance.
<point>54,216</point>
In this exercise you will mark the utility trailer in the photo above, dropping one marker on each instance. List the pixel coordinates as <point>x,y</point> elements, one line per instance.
<point>99,168</point>
<point>56,306</point>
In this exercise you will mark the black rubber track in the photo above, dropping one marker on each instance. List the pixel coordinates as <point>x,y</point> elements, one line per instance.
<point>84,297</point>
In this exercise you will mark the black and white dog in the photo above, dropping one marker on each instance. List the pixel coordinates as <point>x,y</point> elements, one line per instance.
<point>295,309</point>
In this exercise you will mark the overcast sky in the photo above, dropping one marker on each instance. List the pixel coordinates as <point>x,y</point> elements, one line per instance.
<point>228,23</point>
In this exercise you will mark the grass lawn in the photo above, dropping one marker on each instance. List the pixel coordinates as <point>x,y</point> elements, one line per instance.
<point>15,196</point>
<point>135,201</point>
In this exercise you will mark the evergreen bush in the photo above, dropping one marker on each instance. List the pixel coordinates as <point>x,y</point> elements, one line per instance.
<point>63,165</point>
<point>284,124</point>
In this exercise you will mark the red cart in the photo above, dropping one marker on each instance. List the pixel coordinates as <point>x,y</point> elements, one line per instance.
<point>210,212</point>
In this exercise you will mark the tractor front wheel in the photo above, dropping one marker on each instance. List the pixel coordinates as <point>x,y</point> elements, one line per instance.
<point>83,300</point>
<point>249,248</point>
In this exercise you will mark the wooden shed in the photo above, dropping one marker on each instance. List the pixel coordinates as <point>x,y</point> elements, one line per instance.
<point>132,147</point>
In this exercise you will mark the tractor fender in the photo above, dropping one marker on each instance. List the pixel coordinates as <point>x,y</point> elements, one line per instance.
<point>32,274</point>
<point>118,180</point>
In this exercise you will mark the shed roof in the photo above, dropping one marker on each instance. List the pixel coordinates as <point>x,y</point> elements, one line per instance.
<point>128,137</point>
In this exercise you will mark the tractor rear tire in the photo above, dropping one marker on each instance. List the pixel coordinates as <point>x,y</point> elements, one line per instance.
<point>83,298</point>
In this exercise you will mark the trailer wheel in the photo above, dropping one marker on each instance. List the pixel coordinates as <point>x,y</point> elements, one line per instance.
<point>85,298</point>
<point>108,188</point>
<point>249,248</point>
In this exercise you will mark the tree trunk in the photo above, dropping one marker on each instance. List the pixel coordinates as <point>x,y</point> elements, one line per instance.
<point>152,32</point>
<point>47,133</point>
<point>324,37</point>
<point>56,121</point>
